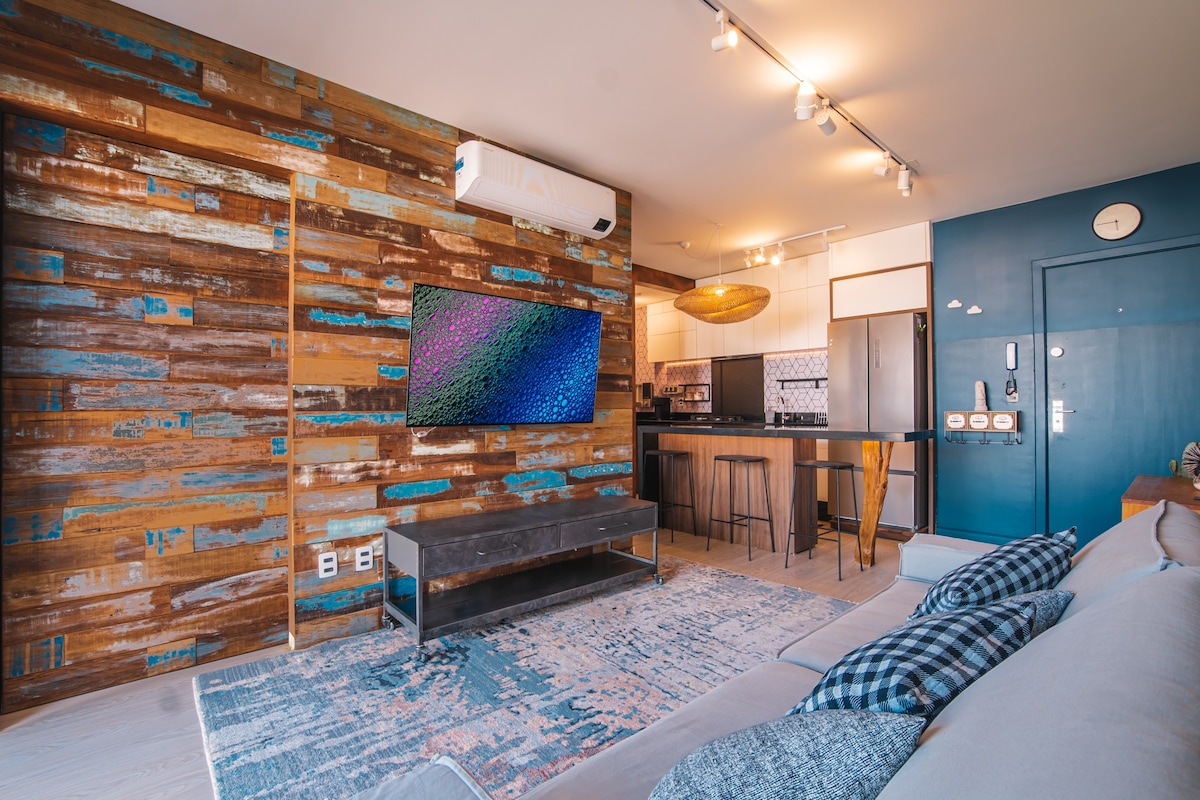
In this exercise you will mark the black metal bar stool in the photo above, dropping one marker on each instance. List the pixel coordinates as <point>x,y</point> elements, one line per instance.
<point>813,534</point>
<point>735,518</point>
<point>666,499</point>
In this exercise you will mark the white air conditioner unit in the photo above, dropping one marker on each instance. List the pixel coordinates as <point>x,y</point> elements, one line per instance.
<point>499,180</point>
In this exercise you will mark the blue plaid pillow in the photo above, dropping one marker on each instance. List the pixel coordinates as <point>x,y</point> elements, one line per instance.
<point>827,755</point>
<point>1025,565</point>
<point>919,668</point>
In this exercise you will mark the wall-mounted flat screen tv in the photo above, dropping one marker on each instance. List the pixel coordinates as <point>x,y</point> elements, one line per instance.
<point>477,359</point>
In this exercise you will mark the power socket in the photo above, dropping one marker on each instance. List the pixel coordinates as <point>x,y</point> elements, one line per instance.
<point>1012,398</point>
<point>327,565</point>
<point>364,559</point>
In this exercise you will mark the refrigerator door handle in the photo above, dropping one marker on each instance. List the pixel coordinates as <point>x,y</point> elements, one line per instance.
<point>877,356</point>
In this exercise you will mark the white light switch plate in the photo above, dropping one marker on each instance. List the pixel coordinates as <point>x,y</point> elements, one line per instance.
<point>327,565</point>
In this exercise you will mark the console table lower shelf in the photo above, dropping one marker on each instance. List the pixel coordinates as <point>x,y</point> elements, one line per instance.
<point>446,547</point>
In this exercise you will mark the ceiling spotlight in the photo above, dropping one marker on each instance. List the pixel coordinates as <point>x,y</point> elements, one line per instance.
<point>806,100</point>
<point>884,169</point>
<point>748,261</point>
<point>760,257</point>
<point>726,38</point>
<point>824,120</point>
<point>777,258</point>
<point>904,182</point>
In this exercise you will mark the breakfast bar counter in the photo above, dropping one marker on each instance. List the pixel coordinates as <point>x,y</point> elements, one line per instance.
<point>781,446</point>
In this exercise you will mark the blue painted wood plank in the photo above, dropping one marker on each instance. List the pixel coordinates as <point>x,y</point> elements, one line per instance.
<point>82,364</point>
<point>215,536</point>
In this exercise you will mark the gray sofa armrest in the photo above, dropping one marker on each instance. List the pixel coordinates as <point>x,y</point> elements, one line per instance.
<point>927,557</point>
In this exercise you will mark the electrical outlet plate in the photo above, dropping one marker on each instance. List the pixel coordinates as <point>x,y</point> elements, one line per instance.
<point>363,559</point>
<point>1013,398</point>
<point>327,565</point>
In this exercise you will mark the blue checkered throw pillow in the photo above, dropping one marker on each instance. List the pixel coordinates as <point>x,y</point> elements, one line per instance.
<point>1025,565</point>
<point>919,668</point>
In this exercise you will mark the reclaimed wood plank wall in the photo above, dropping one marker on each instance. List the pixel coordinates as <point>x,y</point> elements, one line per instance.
<point>208,264</point>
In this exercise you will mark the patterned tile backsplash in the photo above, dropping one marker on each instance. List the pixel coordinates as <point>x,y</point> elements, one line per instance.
<point>776,367</point>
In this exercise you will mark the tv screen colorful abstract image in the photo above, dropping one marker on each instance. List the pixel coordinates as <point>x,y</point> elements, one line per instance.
<point>477,359</point>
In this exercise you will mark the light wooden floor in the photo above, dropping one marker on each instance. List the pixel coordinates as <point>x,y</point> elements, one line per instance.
<point>142,740</point>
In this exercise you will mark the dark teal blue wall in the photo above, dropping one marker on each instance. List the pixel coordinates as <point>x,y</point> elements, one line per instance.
<point>993,493</point>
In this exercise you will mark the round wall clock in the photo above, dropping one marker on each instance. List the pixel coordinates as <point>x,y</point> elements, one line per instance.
<point>1116,221</point>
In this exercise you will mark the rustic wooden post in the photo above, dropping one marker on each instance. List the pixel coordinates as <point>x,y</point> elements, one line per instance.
<point>876,458</point>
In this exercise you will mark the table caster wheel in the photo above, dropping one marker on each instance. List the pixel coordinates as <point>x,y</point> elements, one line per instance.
<point>389,624</point>
<point>422,654</point>
<point>658,578</point>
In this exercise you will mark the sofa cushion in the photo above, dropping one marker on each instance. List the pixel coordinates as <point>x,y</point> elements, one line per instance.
<point>634,766</point>
<point>1179,534</point>
<point>822,648</point>
<point>927,557</point>
<point>922,666</point>
<point>1129,550</point>
<point>825,755</point>
<point>1024,565</point>
<point>1105,706</point>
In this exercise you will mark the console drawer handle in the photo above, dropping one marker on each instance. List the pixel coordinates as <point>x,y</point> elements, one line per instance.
<point>614,527</point>
<point>493,552</point>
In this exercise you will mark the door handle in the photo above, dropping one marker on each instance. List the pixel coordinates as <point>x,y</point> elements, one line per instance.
<point>1056,415</point>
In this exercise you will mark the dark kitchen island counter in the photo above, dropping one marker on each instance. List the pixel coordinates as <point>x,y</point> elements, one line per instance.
<point>695,438</point>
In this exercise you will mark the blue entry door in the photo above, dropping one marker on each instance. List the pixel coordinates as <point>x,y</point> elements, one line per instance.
<point>1122,376</point>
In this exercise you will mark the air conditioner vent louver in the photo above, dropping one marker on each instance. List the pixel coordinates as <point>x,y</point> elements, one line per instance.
<point>499,180</point>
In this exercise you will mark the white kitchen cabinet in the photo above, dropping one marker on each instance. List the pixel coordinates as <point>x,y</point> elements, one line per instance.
<point>818,317</point>
<point>793,320</point>
<point>663,347</point>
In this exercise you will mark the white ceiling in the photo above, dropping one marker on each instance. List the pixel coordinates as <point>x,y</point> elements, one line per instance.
<point>998,103</point>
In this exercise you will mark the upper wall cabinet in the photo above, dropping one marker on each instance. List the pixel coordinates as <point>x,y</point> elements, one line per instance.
<point>880,273</point>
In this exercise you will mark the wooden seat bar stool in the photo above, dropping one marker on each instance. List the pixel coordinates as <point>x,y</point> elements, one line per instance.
<point>814,533</point>
<point>666,499</point>
<point>734,517</point>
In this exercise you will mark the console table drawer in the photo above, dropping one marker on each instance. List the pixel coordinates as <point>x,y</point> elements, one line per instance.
<point>614,526</point>
<point>485,551</point>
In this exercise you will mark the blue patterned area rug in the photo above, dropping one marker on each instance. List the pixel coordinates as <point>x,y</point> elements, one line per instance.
<point>514,703</point>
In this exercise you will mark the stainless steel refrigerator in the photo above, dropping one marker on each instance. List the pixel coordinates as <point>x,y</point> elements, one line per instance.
<point>877,382</point>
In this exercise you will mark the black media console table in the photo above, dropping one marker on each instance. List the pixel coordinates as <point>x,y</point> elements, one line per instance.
<point>444,547</point>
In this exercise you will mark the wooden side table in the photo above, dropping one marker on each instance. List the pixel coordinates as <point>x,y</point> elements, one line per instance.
<point>1147,490</point>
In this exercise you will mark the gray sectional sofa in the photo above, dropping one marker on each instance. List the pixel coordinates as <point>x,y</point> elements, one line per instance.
<point>1105,704</point>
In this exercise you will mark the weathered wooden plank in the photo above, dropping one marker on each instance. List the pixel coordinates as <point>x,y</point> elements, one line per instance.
<point>133,456</point>
<point>349,398</point>
<point>73,237</point>
<point>341,500</point>
<point>79,396</point>
<point>168,309</point>
<point>48,588</point>
<point>167,193</point>
<point>214,313</point>
<point>217,535</point>
<point>77,176</point>
<point>222,178</point>
<point>372,200</point>
<point>95,335</point>
<point>421,190</point>
<point>26,264</point>
<point>60,428</point>
<point>337,245</point>
<point>348,271</point>
<point>251,92</point>
<point>212,593</point>
<point>241,207</point>
<point>82,208</point>
<point>194,368</point>
<point>218,282</point>
<point>365,597</point>
<point>372,108</point>
<point>309,583</point>
<point>30,90</point>
<point>428,265</point>
<point>42,491</point>
<point>28,624</point>
<point>176,511</point>
<point>418,160</point>
<point>192,132</point>
<point>32,394</point>
<point>231,424</point>
<point>34,362</point>
<point>344,423</point>
<point>334,219</point>
<point>373,128</point>
<point>309,632</point>
<point>334,370</point>
<point>43,525</point>
<point>338,527</point>
<point>55,298</point>
<point>337,295</point>
<point>348,448</point>
<point>334,320</point>
<point>310,344</point>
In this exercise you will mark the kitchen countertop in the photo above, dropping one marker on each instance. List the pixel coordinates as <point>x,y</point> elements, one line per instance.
<point>778,432</point>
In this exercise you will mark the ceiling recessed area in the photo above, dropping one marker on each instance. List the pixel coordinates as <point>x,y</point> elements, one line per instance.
<point>993,105</point>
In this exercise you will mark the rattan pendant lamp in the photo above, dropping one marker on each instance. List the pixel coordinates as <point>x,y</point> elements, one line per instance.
<point>722,303</point>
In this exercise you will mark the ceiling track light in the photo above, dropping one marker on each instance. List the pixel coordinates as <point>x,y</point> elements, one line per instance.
<point>806,100</point>
<point>824,119</point>
<point>726,38</point>
<point>778,256</point>
<point>758,255</point>
<point>904,182</point>
<point>818,104</point>
<point>884,169</point>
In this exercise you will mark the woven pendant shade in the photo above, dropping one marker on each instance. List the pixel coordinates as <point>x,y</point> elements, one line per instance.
<point>722,303</point>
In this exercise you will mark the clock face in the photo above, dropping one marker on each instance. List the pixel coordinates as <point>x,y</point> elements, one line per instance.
<point>1116,221</point>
